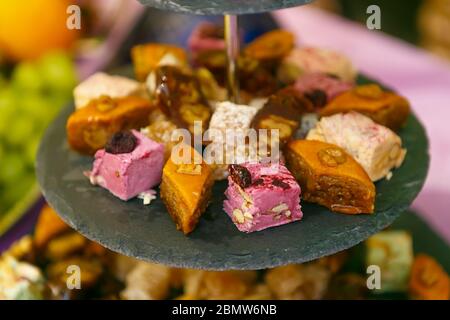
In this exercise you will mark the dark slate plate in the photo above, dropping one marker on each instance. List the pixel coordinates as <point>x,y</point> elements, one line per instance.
<point>148,233</point>
<point>223,6</point>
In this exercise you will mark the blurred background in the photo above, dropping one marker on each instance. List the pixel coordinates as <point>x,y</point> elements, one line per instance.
<point>41,61</point>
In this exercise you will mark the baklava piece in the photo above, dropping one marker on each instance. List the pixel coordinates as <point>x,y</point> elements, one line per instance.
<point>376,148</point>
<point>330,177</point>
<point>129,165</point>
<point>384,107</point>
<point>186,189</point>
<point>428,280</point>
<point>261,196</point>
<point>147,57</point>
<point>89,128</point>
<point>272,45</point>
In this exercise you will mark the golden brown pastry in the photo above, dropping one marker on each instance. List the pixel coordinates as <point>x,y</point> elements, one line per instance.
<point>384,107</point>
<point>147,57</point>
<point>89,128</point>
<point>272,45</point>
<point>186,190</point>
<point>330,177</point>
<point>428,280</point>
<point>48,226</point>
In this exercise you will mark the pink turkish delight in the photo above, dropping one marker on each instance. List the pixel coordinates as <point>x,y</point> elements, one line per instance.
<point>128,166</point>
<point>314,85</point>
<point>262,195</point>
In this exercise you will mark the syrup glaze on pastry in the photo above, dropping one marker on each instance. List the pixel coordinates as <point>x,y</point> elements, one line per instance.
<point>89,128</point>
<point>330,177</point>
<point>384,107</point>
<point>186,191</point>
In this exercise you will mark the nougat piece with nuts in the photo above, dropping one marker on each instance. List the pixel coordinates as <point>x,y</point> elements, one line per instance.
<point>377,148</point>
<point>384,107</point>
<point>186,189</point>
<point>89,128</point>
<point>330,177</point>
<point>261,195</point>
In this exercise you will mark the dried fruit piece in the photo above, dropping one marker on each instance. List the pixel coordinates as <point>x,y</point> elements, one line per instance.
<point>271,45</point>
<point>240,175</point>
<point>317,97</point>
<point>331,157</point>
<point>121,142</point>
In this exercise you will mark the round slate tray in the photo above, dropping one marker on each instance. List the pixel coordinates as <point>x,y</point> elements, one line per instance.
<point>148,233</point>
<point>223,6</point>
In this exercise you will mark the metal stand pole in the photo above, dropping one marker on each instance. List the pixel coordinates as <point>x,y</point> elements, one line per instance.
<point>232,42</point>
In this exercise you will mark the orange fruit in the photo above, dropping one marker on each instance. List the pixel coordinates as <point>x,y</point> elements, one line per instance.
<point>32,27</point>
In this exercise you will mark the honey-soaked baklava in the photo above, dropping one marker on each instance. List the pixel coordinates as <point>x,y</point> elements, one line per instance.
<point>89,128</point>
<point>384,107</point>
<point>186,189</point>
<point>330,177</point>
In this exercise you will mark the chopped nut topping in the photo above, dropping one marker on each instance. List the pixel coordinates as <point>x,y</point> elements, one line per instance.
<point>285,126</point>
<point>371,91</point>
<point>280,208</point>
<point>197,112</point>
<point>191,168</point>
<point>248,216</point>
<point>239,216</point>
<point>332,157</point>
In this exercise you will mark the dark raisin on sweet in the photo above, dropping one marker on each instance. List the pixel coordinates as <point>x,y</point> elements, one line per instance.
<point>240,175</point>
<point>279,183</point>
<point>317,97</point>
<point>121,142</point>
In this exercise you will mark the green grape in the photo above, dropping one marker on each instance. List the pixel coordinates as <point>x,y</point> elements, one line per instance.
<point>27,77</point>
<point>22,129</point>
<point>30,151</point>
<point>7,110</point>
<point>37,107</point>
<point>12,168</point>
<point>58,72</point>
<point>16,191</point>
